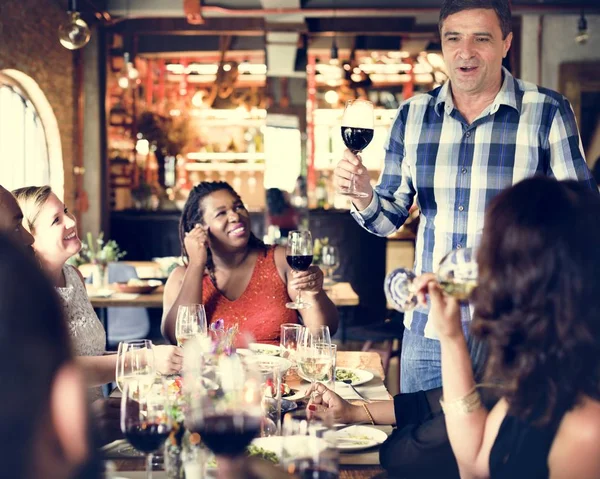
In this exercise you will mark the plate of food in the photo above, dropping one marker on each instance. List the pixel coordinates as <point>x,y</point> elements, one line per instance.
<point>138,286</point>
<point>355,438</point>
<point>267,363</point>
<point>286,391</point>
<point>266,349</point>
<point>356,376</point>
<point>267,448</point>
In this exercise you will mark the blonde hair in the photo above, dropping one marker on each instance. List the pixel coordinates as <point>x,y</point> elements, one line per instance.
<point>31,199</point>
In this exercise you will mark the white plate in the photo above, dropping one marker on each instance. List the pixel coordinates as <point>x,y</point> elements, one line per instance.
<point>363,376</point>
<point>267,363</point>
<point>355,438</point>
<point>299,394</point>
<point>265,349</point>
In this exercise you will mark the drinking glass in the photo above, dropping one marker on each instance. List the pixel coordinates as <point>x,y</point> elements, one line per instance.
<point>357,133</point>
<point>314,354</point>
<point>456,275</point>
<point>224,407</point>
<point>299,255</point>
<point>135,365</point>
<point>191,322</point>
<point>145,418</point>
<point>309,446</point>
<point>289,339</point>
<point>330,259</point>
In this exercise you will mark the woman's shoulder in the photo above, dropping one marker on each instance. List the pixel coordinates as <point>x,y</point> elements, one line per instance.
<point>577,441</point>
<point>72,275</point>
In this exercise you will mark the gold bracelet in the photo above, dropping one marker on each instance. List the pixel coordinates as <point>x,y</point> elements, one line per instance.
<point>465,405</point>
<point>368,413</point>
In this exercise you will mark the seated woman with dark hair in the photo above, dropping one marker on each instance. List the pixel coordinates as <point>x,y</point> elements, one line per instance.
<point>43,406</point>
<point>537,306</point>
<point>234,274</point>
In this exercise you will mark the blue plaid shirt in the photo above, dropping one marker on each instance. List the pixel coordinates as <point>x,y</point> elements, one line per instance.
<point>454,169</point>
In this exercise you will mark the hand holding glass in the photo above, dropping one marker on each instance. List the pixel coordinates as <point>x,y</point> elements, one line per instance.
<point>299,255</point>
<point>357,133</point>
<point>456,275</point>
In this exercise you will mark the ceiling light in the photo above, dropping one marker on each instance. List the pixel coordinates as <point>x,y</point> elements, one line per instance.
<point>582,30</point>
<point>73,33</point>
<point>334,58</point>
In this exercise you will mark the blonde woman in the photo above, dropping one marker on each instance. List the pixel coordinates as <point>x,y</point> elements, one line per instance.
<point>54,231</point>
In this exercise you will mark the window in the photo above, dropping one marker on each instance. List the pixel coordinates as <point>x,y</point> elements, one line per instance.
<point>30,150</point>
<point>23,150</point>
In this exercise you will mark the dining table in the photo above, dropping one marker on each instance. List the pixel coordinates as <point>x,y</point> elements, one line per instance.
<point>362,464</point>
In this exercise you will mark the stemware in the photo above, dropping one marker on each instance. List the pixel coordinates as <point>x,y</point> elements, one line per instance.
<point>145,418</point>
<point>299,255</point>
<point>191,322</point>
<point>330,258</point>
<point>357,133</point>
<point>309,446</point>
<point>456,275</point>
<point>289,339</point>
<point>314,356</point>
<point>135,365</point>
<point>224,407</point>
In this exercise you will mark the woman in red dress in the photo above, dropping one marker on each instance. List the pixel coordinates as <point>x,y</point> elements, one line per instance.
<point>235,275</point>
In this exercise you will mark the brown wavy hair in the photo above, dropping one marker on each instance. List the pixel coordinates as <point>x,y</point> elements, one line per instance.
<point>193,214</point>
<point>538,302</point>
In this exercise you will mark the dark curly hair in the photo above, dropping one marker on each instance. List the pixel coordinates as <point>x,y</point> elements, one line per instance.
<point>538,303</point>
<point>193,214</point>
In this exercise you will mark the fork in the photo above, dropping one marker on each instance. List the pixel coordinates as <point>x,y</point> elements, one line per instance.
<point>349,383</point>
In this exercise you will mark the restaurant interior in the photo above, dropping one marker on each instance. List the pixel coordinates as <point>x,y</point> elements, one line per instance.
<point>150,98</point>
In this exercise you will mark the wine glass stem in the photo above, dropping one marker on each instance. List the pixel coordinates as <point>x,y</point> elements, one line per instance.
<point>149,466</point>
<point>299,297</point>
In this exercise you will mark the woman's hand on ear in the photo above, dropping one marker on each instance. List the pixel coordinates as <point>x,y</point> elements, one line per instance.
<point>196,244</point>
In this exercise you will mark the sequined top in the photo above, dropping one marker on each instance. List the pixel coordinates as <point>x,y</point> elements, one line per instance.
<point>260,310</point>
<point>87,333</point>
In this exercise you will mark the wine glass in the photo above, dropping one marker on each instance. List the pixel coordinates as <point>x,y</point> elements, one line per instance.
<point>309,446</point>
<point>135,365</point>
<point>224,407</point>
<point>191,322</point>
<point>456,275</point>
<point>299,255</point>
<point>330,258</point>
<point>357,133</point>
<point>314,356</point>
<point>289,340</point>
<point>145,418</point>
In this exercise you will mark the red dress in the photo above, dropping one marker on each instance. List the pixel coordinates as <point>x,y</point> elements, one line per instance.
<point>260,310</point>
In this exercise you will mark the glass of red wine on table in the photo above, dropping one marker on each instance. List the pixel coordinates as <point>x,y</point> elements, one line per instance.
<point>224,407</point>
<point>357,133</point>
<point>299,255</point>
<point>146,418</point>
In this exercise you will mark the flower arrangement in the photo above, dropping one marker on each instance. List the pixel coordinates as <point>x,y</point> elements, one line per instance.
<point>100,252</point>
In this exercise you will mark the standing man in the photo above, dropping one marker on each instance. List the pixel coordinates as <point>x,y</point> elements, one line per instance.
<point>454,149</point>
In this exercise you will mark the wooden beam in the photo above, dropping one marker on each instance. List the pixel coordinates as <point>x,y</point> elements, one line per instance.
<point>179,26</point>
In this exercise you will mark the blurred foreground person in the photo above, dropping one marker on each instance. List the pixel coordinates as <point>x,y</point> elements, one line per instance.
<point>43,408</point>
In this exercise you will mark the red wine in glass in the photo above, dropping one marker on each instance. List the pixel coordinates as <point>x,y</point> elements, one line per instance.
<point>228,435</point>
<point>147,437</point>
<point>299,262</point>
<point>356,139</point>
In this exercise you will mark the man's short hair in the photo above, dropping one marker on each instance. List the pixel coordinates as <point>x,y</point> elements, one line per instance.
<point>501,7</point>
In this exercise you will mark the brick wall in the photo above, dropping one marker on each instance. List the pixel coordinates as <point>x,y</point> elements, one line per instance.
<point>29,43</point>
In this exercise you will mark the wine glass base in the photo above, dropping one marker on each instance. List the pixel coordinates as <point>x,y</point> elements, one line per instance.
<point>353,194</point>
<point>294,305</point>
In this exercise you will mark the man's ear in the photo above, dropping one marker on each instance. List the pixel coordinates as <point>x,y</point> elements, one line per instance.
<point>507,43</point>
<point>69,413</point>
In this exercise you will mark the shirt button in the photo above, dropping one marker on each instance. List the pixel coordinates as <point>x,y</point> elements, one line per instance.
<point>463,171</point>
<point>468,134</point>
<point>461,208</point>
<point>458,246</point>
